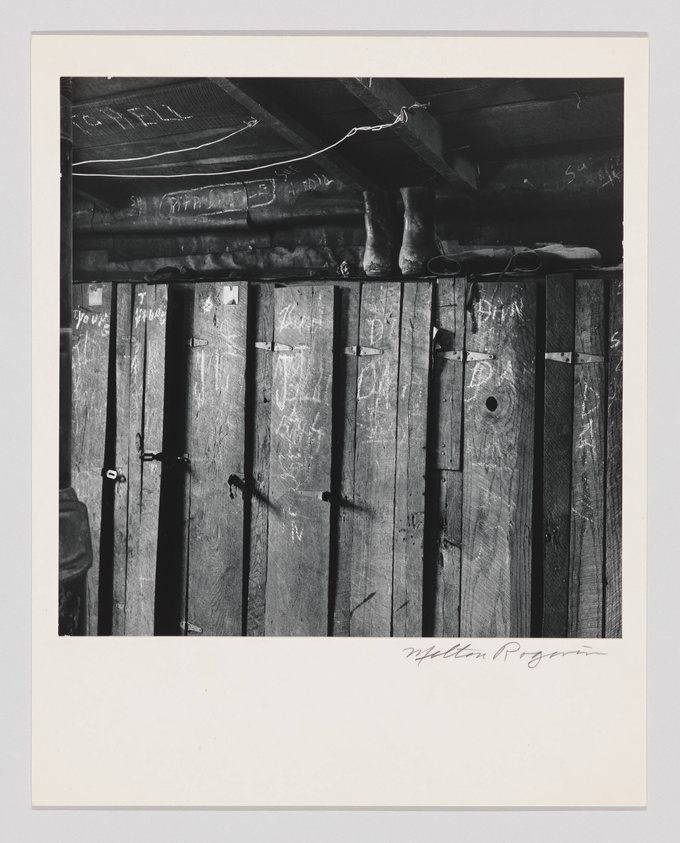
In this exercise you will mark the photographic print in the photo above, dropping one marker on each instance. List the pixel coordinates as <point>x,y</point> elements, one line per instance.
<point>339,470</point>
<point>346,356</point>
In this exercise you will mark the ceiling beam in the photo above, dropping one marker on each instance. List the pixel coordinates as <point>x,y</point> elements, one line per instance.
<point>422,132</point>
<point>273,116</point>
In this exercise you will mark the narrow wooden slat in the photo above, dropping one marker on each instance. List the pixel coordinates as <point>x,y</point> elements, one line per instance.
<point>374,461</point>
<point>262,303</point>
<point>450,539</point>
<point>409,503</point>
<point>216,443</point>
<point>122,453</point>
<point>345,393</point>
<point>557,451</point>
<point>90,360</point>
<point>498,461</point>
<point>147,383</point>
<point>447,403</point>
<point>299,519</point>
<point>448,374</point>
<point>588,486</point>
<point>613,589</point>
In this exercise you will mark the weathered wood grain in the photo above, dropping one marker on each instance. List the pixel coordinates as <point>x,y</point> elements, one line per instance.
<point>147,384</point>
<point>345,390</point>
<point>90,361</point>
<point>498,461</point>
<point>449,320</point>
<point>122,453</point>
<point>588,482</point>
<point>409,501</point>
<point>300,463</point>
<point>449,543</point>
<point>557,453</point>
<point>447,407</point>
<point>216,443</point>
<point>262,304</point>
<point>374,461</point>
<point>614,524</point>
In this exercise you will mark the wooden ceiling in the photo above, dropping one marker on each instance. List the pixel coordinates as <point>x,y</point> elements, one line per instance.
<point>484,142</point>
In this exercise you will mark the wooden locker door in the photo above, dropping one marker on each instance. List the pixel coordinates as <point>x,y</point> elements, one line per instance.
<point>216,445</point>
<point>297,590</point>
<point>90,365</point>
<point>499,419</point>
<point>140,384</point>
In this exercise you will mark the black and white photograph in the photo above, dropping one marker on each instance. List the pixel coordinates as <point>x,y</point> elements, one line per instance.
<point>341,356</point>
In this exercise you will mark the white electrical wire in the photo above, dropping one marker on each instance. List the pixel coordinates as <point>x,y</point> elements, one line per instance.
<point>402,117</point>
<point>248,125</point>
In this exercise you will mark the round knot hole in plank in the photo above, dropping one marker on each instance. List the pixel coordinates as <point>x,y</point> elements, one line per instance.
<point>491,403</point>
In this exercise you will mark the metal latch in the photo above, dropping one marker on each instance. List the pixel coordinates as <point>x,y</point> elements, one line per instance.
<point>573,357</point>
<point>167,460</point>
<point>362,350</point>
<point>470,356</point>
<point>196,342</point>
<point>113,474</point>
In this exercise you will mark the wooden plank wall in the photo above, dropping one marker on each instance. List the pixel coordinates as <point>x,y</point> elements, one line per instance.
<point>327,425</point>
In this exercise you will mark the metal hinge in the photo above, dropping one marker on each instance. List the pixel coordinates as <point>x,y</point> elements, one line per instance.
<point>470,356</point>
<point>185,626</point>
<point>319,496</point>
<point>362,350</point>
<point>274,346</point>
<point>166,459</point>
<point>573,357</point>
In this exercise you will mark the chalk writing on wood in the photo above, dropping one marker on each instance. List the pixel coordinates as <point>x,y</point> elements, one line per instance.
<point>588,483</point>
<point>216,443</point>
<point>614,524</point>
<point>498,460</point>
<point>147,384</point>
<point>374,461</point>
<point>409,503</point>
<point>300,463</point>
<point>557,454</point>
<point>90,359</point>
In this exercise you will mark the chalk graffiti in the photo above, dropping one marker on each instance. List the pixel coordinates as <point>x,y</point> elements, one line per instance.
<point>131,117</point>
<point>100,320</point>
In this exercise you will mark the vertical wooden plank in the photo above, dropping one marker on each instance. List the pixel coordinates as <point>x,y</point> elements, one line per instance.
<point>124,357</point>
<point>557,453</point>
<point>409,503</point>
<point>216,442</point>
<point>450,539</point>
<point>345,382</point>
<point>300,464</point>
<point>614,468</point>
<point>90,365</point>
<point>262,306</point>
<point>588,486</point>
<point>374,461</point>
<point>147,382</point>
<point>498,461</point>
<point>447,403</point>
<point>448,373</point>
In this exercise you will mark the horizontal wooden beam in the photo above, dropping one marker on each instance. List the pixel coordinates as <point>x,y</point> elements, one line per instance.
<point>305,141</point>
<point>422,132</point>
